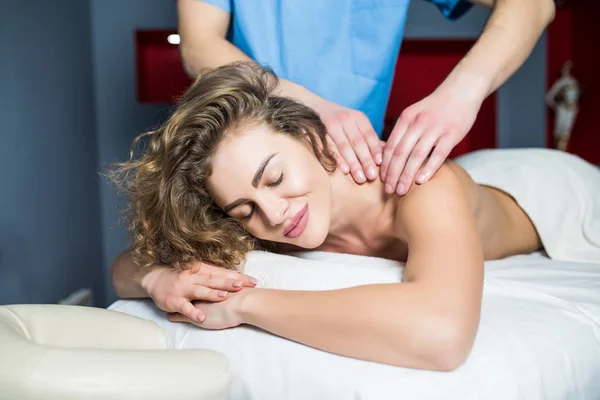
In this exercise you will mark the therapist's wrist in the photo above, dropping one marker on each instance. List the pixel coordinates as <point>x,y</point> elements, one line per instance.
<point>467,83</point>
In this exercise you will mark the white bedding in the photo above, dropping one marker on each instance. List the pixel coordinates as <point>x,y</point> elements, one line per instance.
<point>559,192</point>
<point>539,336</point>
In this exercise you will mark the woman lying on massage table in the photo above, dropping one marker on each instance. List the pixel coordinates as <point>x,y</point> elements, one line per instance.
<point>237,167</point>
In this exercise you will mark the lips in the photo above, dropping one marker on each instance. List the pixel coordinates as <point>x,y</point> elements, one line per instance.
<point>298,223</point>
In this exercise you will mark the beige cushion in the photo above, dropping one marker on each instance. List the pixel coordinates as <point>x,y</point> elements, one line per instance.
<point>59,352</point>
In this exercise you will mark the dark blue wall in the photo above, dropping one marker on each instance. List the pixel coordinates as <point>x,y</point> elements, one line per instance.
<point>50,232</point>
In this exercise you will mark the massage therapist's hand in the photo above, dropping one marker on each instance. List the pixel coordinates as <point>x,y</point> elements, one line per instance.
<point>438,122</point>
<point>174,290</point>
<point>352,139</point>
<point>221,315</point>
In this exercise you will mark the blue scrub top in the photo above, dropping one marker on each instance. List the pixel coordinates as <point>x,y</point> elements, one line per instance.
<point>343,50</point>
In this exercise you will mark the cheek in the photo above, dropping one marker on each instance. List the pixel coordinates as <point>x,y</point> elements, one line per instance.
<point>310,176</point>
<point>298,181</point>
<point>256,230</point>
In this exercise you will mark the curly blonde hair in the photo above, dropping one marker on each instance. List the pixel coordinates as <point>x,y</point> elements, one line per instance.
<point>171,216</point>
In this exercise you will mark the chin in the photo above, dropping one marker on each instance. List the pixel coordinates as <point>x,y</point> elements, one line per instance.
<point>313,236</point>
<point>310,243</point>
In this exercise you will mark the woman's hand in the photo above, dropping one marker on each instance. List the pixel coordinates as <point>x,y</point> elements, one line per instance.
<point>174,290</point>
<point>352,140</point>
<point>221,315</point>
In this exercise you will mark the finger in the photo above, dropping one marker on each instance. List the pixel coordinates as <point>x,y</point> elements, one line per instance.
<point>187,310</point>
<point>177,317</point>
<point>174,317</point>
<point>361,150</point>
<point>201,292</point>
<point>390,147</point>
<point>218,283</point>
<point>372,140</point>
<point>440,153</point>
<point>401,154</point>
<point>416,159</point>
<point>213,271</point>
<point>339,135</point>
<point>248,281</point>
<point>336,155</point>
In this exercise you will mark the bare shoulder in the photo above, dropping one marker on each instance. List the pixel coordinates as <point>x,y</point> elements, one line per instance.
<point>451,179</point>
<point>450,188</point>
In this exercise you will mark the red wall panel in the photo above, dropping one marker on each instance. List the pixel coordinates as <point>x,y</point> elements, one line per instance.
<point>160,74</point>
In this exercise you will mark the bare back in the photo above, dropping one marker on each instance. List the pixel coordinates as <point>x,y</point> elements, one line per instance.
<point>503,226</point>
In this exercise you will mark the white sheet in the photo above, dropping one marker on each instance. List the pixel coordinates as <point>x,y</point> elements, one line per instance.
<point>539,336</point>
<point>559,192</point>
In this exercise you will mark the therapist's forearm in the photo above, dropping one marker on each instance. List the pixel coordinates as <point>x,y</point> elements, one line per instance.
<point>396,324</point>
<point>214,52</point>
<point>208,53</point>
<point>508,38</point>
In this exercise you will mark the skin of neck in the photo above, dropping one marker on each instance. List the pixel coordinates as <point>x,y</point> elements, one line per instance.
<point>359,211</point>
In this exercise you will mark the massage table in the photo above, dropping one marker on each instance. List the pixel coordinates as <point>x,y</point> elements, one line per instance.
<point>539,336</point>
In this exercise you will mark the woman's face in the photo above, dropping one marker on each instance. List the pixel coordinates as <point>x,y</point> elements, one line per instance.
<point>274,185</point>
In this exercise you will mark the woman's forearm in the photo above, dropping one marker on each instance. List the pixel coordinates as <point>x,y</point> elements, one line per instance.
<point>127,278</point>
<point>396,324</point>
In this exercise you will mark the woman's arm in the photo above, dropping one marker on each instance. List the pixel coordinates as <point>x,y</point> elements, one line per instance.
<point>128,279</point>
<point>174,290</point>
<point>427,322</point>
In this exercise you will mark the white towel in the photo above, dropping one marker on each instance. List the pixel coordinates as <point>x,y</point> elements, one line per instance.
<point>558,191</point>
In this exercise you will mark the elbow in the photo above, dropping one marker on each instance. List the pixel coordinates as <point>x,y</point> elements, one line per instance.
<point>113,273</point>
<point>450,354</point>
<point>195,54</point>
<point>548,11</point>
<point>451,346</point>
<point>446,344</point>
<point>184,51</point>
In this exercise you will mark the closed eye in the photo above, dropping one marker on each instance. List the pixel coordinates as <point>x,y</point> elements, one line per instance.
<point>273,184</point>
<point>277,182</point>
<point>251,212</point>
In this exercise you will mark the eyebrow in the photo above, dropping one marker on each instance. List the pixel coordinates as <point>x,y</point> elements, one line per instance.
<point>255,181</point>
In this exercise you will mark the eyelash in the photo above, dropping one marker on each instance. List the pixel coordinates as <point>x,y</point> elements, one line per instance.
<point>277,182</point>
<point>273,184</point>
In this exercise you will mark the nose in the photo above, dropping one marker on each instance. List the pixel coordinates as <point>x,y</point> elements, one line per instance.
<point>275,210</point>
